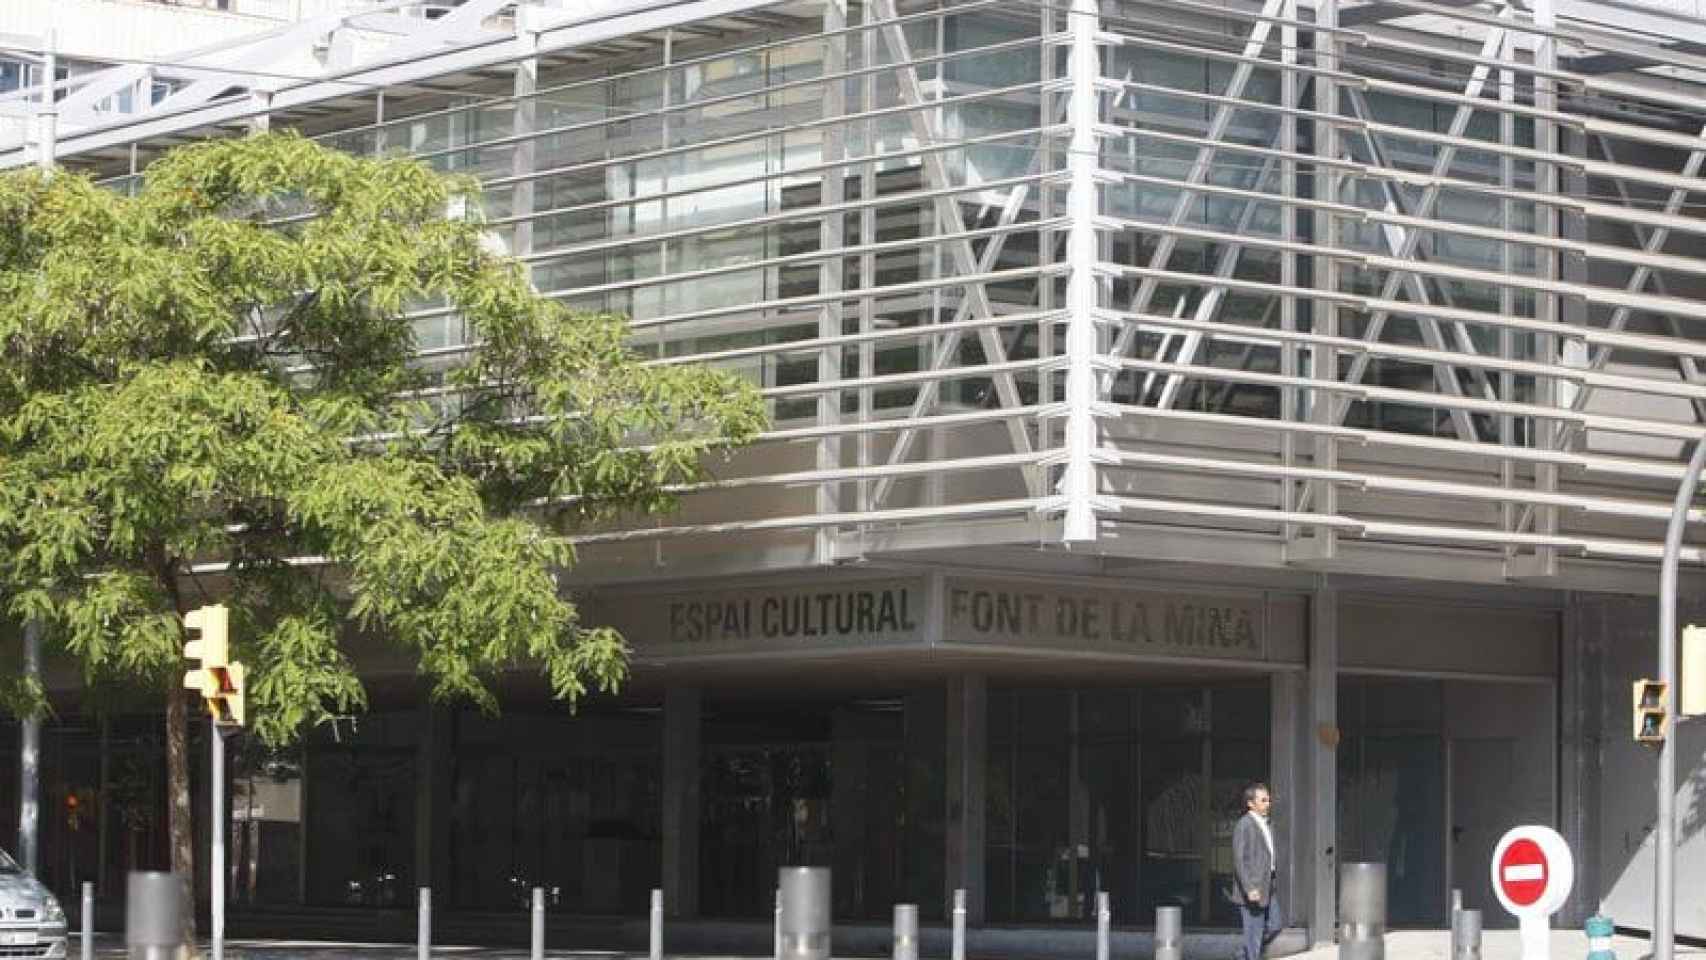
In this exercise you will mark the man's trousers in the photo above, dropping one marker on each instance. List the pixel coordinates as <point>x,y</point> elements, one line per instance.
<point>1261,924</point>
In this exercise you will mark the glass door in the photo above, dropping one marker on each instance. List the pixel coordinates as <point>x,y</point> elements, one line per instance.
<point>1129,791</point>
<point>765,807</point>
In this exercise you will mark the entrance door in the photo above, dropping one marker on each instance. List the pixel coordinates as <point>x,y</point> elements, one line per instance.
<point>766,806</point>
<point>1480,814</point>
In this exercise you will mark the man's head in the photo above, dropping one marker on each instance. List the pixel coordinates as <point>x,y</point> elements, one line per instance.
<point>1257,799</point>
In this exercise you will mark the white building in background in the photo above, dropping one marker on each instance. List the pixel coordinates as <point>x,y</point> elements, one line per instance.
<point>96,33</point>
<point>91,35</point>
<point>1167,393</point>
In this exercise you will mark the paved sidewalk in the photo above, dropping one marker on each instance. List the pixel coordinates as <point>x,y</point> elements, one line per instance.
<point>111,947</point>
<point>1402,945</point>
<point>1503,945</point>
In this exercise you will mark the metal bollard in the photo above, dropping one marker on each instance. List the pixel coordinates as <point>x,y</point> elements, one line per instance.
<point>87,919</point>
<point>959,924</point>
<point>1600,930</point>
<point>1456,908</point>
<point>1169,933</point>
<point>1362,911</point>
<point>1468,935</point>
<point>1104,919</point>
<point>423,925</point>
<point>153,909</point>
<point>906,931</point>
<point>805,912</point>
<point>778,939</point>
<point>538,923</point>
<point>656,938</point>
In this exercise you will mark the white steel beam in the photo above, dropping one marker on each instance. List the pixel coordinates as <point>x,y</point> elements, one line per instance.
<point>1320,543</point>
<point>1079,482</point>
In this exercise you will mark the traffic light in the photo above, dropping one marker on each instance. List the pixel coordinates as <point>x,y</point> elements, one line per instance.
<point>1691,679</point>
<point>218,679</point>
<point>1652,713</point>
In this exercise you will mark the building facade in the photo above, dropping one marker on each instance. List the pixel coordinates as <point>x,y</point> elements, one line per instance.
<point>1167,394</point>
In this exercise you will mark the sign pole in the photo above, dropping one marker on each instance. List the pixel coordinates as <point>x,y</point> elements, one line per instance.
<point>1533,872</point>
<point>1535,932</point>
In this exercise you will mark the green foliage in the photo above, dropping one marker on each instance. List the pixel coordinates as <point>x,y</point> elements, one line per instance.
<point>212,390</point>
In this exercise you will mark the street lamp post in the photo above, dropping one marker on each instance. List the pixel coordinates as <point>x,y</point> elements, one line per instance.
<point>1664,861</point>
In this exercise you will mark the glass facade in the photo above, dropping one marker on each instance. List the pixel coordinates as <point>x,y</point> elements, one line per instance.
<point>570,804</point>
<point>1392,790</point>
<point>1370,252</point>
<point>1130,788</point>
<point>689,196</point>
<point>102,797</point>
<point>1131,791</point>
<point>851,784</point>
<point>360,814</point>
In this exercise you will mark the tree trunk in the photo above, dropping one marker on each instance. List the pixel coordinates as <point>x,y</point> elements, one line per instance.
<point>178,804</point>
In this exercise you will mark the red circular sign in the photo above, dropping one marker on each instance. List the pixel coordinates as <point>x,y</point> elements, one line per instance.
<point>1523,872</point>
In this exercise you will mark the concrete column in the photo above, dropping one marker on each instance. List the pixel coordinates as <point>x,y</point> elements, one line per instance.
<point>1581,692</point>
<point>924,857</point>
<point>102,807</point>
<point>682,715</point>
<point>967,760</point>
<point>1322,753</point>
<point>1287,742</point>
<point>848,796</point>
<point>262,101</point>
<point>433,760</point>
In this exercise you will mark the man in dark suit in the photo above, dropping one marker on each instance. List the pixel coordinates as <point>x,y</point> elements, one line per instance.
<point>1255,868</point>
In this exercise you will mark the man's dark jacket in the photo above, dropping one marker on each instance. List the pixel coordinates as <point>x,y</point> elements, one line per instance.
<point>1252,864</point>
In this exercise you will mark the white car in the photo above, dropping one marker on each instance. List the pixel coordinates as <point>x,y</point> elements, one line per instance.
<point>31,921</point>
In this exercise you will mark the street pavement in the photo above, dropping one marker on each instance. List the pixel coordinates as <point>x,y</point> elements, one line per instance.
<point>1400,945</point>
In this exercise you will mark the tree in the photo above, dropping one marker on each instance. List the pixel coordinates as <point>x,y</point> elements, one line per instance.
<point>213,389</point>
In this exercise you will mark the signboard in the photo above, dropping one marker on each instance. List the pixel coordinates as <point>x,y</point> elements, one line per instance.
<point>1533,872</point>
<point>840,614</point>
<point>988,612</point>
<point>846,613</point>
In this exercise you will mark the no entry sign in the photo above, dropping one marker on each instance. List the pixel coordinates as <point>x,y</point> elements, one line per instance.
<point>1522,873</point>
<point>1533,872</point>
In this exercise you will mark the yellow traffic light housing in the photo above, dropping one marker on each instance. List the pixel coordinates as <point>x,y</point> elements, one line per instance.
<point>1652,711</point>
<point>1691,677</point>
<point>218,679</point>
<point>209,636</point>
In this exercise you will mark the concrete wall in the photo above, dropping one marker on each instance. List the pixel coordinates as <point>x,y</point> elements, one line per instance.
<point>1623,632</point>
<point>1477,684</point>
<point>1435,637</point>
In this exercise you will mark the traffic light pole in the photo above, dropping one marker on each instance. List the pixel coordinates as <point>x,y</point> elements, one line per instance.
<point>216,863</point>
<point>1664,834</point>
<point>219,679</point>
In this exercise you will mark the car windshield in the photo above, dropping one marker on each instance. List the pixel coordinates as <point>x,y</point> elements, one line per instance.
<point>8,866</point>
